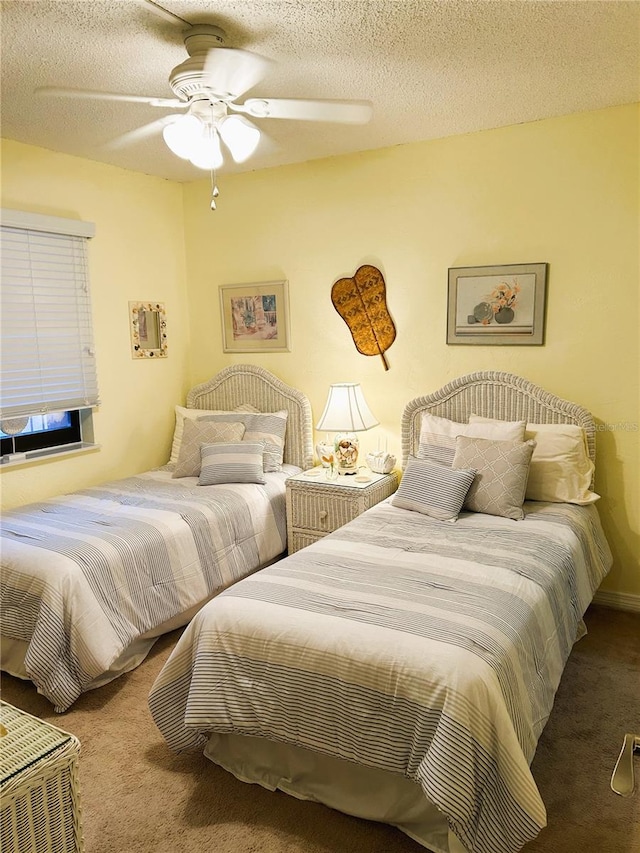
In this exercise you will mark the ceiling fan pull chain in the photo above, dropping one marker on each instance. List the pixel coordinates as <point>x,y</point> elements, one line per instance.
<point>215,192</point>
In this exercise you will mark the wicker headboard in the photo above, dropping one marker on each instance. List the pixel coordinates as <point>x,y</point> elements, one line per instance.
<point>245,383</point>
<point>493,395</point>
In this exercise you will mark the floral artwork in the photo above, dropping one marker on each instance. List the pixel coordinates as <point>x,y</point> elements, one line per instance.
<point>497,304</point>
<point>255,317</point>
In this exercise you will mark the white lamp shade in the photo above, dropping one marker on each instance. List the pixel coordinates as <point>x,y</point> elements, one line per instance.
<point>346,410</point>
<point>240,136</point>
<point>205,152</point>
<point>182,134</point>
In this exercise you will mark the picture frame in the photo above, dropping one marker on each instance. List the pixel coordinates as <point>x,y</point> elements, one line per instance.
<point>255,317</point>
<point>148,328</point>
<point>497,305</point>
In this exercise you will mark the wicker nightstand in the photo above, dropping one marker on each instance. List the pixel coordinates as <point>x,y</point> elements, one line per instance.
<point>39,799</point>
<point>316,506</point>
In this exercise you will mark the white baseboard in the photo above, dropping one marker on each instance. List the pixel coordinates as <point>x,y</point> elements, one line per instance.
<point>618,600</point>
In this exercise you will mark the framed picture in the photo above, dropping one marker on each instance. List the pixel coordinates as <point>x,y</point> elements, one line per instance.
<point>148,327</point>
<point>497,305</point>
<point>255,317</point>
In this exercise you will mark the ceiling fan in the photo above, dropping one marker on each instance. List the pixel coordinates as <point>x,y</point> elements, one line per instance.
<point>208,85</point>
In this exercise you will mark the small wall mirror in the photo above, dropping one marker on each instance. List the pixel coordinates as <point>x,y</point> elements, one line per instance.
<point>148,325</point>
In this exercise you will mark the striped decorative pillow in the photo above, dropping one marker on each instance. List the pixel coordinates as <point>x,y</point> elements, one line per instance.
<point>269,427</point>
<point>433,489</point>
<point>438,435</point>
<point>232,462</point>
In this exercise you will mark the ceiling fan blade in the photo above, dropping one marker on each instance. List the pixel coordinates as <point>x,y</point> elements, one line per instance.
<point>347,112</point>
<point>140,133</point>
<point>109,96</point>
<point>161,12</point>
<point>231,72</point>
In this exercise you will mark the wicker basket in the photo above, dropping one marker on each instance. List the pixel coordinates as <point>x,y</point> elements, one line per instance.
<point>39,795</point>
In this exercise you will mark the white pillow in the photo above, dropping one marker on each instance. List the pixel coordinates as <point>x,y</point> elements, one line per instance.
<point>495,429</point>
<point>181,414</point>
<point>561,470</point>
<point>438,435</point>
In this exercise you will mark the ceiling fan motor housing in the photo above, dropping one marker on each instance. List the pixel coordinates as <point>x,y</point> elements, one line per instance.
<point>188,80</point>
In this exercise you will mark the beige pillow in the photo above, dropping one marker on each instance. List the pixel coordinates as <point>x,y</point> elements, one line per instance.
<point>561,470</point>
<point>197,433</point>
<point>438,435</point>
<point>502,469</point>
<point>194,414</point>
<point>497,429</point>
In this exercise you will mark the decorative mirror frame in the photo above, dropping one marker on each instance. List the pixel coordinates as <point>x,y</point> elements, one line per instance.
<point>146,343</point>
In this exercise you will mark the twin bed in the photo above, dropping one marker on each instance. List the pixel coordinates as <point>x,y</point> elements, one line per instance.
<point>90,580</point>
<point>401,668</point>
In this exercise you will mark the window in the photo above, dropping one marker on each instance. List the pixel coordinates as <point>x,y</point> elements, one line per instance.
<point>48,378</point>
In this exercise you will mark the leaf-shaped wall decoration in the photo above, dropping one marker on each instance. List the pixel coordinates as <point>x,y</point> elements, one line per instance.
<point>361,301</point>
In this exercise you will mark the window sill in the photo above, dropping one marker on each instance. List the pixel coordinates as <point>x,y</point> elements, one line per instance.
<point>12,460</point>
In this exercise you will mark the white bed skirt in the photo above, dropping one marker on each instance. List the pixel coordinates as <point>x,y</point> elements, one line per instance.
<point>364,792</point>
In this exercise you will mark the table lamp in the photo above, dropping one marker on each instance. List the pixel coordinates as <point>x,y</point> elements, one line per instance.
<point>346,413</point>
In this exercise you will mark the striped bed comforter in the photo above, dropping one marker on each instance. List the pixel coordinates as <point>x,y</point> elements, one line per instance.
<point>83,576</point>
<point>427,649</point>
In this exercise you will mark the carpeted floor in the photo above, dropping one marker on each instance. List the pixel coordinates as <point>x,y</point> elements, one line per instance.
<point>138,797</point>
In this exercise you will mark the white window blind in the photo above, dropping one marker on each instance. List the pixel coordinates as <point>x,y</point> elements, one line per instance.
<point>48,359</point>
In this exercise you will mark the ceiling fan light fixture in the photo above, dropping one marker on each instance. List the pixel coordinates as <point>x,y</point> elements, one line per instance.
<point>206,152</point>
<point>183,135</point>
<point>208,85</point>
<point>240,136</point>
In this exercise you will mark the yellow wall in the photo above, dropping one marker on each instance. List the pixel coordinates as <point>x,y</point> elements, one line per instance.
<point>138,255</point>
<point>564,191</point>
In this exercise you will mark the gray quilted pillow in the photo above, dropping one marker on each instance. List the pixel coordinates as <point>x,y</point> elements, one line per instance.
<point>197,433</point>
<point>502,469</point>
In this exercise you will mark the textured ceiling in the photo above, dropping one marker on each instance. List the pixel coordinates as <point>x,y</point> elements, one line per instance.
<point>432,68</point>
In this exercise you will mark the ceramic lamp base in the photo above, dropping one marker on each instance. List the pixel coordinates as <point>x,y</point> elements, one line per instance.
<point>346,446</point>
